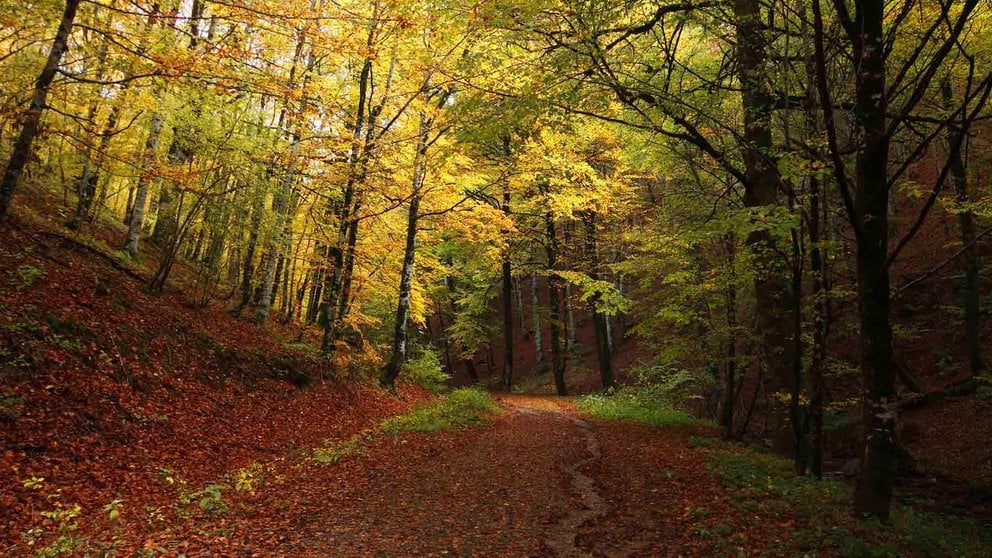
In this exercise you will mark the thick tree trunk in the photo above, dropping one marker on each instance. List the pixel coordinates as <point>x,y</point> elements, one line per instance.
<point>32,117</point>
<point>878,467</point>
<point>775,301</point>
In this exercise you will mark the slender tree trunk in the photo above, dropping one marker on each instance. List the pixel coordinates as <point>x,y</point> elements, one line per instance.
<point>137,221</point>
<point>507,274</point>
<point>284,206</point>
<point>818,356</point>
<point>598,317</point>
<point>535,315</point>
<point>730,380</point>
<point>248,274</point>
<point>32,117</point>
<point>966,220</point>
<point>392,369</point>
<point>554,291</point>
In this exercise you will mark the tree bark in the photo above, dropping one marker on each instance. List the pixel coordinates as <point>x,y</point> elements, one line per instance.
<point>535,315</point>
<point>507,292</point>
<point>32,117</point>
<point>775,301</point>
<point>966,221</point>
<point>598,317</point>
<point>392,369</point>
<point>137,221</point>
<point>554,293</point>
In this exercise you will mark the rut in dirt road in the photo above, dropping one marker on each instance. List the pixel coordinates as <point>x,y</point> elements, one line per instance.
<point>562,539</point>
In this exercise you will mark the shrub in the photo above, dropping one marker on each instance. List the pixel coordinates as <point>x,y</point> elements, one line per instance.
<point>334,452</point>
<point>461,407</point>
<point>765,485</point>
<point>11,404</point>
<point>649,405</point>
<point>28,276</point>
<point>426,370</point>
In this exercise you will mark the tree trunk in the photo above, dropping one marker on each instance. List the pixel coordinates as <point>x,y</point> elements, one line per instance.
<point>730,366</point>
<point>775,301</point>
<point>137,221</point>
<point>507,275</point>
<point>554,291</point>
<point>871,205</point>
<point>32,117</point>
<point>966,220</point>
<point>598,317</point>
<point>535,316</point>
<point>392,369</point>
<point>247,275</point>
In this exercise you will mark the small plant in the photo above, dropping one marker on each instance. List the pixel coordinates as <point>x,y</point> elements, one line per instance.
<point>168,476</point>
<point>33,483</point>
<point>334,452</point>
<point>65,541</point>
<point>426,371</point>
<point>11,405</point>
<point>113,509</point>
<point>210,499</point>
<point>28,276</point>
<point>246,479</point>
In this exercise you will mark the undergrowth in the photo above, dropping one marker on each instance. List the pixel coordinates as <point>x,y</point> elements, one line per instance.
<point>461,407</point>
<point>639,404</point>
<point>763,487</point>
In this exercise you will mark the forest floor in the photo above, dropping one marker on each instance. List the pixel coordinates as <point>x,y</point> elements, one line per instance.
<point>539,479</point>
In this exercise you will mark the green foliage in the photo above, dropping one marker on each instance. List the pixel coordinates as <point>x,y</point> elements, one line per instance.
<point>210,500</point>
<point>764,486</point>
<point>113,509</point>
<point>245,479</point>
<point>11,405</point>
<point>426,371</point>
<point>603,294</point>
<point>649,405</point>
<point>28,276</point>
<point>462,407</point>
<point>336,451</point>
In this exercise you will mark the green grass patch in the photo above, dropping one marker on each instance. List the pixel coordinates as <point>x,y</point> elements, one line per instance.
<point>766,491</point>
<point>634,404</point>
<point>336,451</point>
<point>461,407</point>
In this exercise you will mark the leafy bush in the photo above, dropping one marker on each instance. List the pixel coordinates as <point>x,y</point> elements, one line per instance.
<point>11,404</point>
<point>210,499</point>
<point>462,407</point>
<point>650,405</point>
<point>334,452</point>
<point>764,486</point>
<point>426,370</point>
<point>28,276</point>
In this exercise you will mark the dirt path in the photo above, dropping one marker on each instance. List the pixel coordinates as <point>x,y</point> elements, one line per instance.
<point>537,481</point>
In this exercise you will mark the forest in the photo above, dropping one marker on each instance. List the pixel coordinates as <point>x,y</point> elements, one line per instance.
<point>495,278</point>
